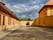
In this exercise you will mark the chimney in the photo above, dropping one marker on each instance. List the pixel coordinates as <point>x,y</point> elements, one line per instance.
<point>1,1</point>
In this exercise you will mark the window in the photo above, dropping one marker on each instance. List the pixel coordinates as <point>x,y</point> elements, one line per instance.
<point>52,11</point>
<point>49,11</point>
<point>12,20</point>
<point>0,19</point>
<point>9,20</point>
<point>3,20</point>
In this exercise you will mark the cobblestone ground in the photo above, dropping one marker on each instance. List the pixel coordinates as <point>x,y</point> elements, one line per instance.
<point>31,33</point>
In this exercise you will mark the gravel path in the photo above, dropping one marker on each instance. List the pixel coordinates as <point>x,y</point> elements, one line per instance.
<point>31,33</point>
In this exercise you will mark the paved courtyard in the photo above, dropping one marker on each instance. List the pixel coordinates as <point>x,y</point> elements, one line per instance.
<point>30,33</point>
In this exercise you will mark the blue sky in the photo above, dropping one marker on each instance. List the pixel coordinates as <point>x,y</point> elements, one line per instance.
<point>25,8</point>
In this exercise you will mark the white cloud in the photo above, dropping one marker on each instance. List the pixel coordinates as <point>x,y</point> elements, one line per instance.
<point>23,15</point>
<point>9,6</point>
<point>23,8</point>
<point>20,8</point>
<point>36,7</point>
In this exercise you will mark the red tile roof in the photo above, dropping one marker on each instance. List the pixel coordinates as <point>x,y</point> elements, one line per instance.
<point>50,2</point>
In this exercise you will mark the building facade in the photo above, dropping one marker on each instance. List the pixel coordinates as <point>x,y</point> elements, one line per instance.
<point>35,22</point>
<point>46,15</point>
<point>7,18</point>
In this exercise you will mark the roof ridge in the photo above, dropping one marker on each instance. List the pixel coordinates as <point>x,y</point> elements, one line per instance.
<point>50,2</point>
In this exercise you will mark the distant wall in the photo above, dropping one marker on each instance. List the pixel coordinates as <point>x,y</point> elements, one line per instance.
<point>23,23</point>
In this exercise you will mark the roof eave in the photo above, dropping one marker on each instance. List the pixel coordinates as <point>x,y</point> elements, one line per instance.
<point>7,11</point>
<point>44,7</point>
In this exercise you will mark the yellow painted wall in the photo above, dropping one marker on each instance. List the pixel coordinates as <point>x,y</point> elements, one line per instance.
<point>46,17</point>
<point>35,22</point>
<point>13,21</point>
<point>6,20</point>
<point>49,11</point>
<point>49,21</point>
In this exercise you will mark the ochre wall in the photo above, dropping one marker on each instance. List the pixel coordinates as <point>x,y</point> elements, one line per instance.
<point>45,18</point>
<point>35,22</point>
<point>49,11</point>
<point>9,21</point>
<point>49,21</point>
<point>40,21</point>
<point>42,16</point>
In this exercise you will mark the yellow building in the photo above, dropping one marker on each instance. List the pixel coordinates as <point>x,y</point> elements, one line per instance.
<point>46,15</point>
<point>7,17</point>
<point>35,22</point>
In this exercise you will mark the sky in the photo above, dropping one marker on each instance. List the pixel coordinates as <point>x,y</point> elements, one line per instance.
<point>25,8</point>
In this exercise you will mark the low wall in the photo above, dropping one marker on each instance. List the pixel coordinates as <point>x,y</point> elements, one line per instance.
<point>23,23</point>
